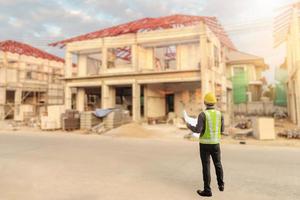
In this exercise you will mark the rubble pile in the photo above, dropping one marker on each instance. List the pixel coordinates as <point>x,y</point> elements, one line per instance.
<point>132,130</point>
<point>279,114</point>
<point>243,123</point>
<point>290,134</point>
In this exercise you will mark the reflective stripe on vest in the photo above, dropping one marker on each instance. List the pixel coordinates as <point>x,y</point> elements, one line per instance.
<point>212,132</point>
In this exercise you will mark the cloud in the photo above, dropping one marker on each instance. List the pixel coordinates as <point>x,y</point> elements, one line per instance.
<point>40,22</point>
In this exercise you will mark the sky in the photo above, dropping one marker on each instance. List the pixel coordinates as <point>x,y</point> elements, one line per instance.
<point>249,23</point>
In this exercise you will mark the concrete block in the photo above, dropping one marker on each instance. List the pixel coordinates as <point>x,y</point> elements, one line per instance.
<point>54,115</point>
<point>48,124</point>
<point>264,128</point>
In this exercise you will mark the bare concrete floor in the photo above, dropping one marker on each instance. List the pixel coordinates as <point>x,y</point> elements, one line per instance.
<point>75,167</point>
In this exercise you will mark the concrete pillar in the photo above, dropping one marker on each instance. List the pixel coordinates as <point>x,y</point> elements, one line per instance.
<point>204,62</point>
<point>82,65</point>
<point>298,98</point>
<point>104,58</point>
<point>80,99</point>
<point>68,98</point>
<point>134,57</point>
<point>145,101</point>
<point>108,95</point>
<point>105,96</point>
<point>178,57</point>
<point>213,80</point>
<point>18,102</point>
<point>224,94</point>
<point>68,64</point>
<point>2,102</point>
<point>136,102</point>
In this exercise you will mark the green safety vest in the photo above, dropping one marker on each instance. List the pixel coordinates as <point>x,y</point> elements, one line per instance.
<point>212,134</point>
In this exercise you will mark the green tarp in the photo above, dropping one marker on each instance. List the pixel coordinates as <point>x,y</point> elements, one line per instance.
<point>281,77</point>
<point>239,84</point>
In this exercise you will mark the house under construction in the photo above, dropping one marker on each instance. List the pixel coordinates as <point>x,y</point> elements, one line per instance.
<point>287,30</point>
<point>246,72</point>
<point>152,67</point>
<point>30,79</point>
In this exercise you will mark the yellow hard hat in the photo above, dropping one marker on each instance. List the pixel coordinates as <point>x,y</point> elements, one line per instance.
<point>210,98</point>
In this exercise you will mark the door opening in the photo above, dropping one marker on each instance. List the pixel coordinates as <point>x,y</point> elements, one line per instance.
<point>169,103</point>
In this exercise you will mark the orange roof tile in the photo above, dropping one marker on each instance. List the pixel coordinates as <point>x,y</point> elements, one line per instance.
<point>25,49</point>
<point>150,24</point>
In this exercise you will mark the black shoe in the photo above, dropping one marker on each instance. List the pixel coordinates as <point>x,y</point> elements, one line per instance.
<point>204,193</point>
<point>221,188</point>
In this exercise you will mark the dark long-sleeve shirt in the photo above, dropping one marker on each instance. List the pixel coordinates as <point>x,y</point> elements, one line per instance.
<point>200,127</point>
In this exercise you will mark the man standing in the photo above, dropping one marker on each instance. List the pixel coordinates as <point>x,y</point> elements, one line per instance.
<point>210,125</point>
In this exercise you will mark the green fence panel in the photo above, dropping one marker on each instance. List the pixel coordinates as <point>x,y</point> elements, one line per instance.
<point>240,84</point>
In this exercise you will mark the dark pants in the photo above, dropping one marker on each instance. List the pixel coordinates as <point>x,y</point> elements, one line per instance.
<point>213,150</point>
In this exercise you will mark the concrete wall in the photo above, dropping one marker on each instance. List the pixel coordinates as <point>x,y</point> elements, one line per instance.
<point>188,56</point>
<point>189,100</point>
<point>156,102</point>
<point>257,108</point>
<point>145,59</point>
<point>293,67</point>
<point>187,96</point>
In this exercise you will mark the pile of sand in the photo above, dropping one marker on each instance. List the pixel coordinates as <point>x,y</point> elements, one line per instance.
<point>131,130</point>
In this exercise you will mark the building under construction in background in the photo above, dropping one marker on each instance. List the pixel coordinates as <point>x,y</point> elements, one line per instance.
<point>30,79</point>
<point>287,30</point>
<point>152,67</point>
<point>245,71</point>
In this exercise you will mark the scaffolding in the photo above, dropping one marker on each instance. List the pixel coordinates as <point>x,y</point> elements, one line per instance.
<point>35,86</point>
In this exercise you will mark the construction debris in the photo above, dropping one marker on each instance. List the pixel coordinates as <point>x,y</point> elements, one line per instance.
<point>280,114</point>
<point>99,129</point>
<point>131,130</point>
<point>242,122</point>
<point>241,134</point>
<point>290,134</point>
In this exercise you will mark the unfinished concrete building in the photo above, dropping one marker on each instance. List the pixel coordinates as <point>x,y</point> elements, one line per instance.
<point>253,67</point>
<point>287,30</point>
<point>30,79</point>
<point>152,67</point>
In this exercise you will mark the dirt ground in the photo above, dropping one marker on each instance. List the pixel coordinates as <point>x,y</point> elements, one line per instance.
<point>162,132</point>
<point>134,130</point>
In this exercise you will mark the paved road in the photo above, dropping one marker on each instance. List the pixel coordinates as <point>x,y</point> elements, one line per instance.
<point>77,167</point>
